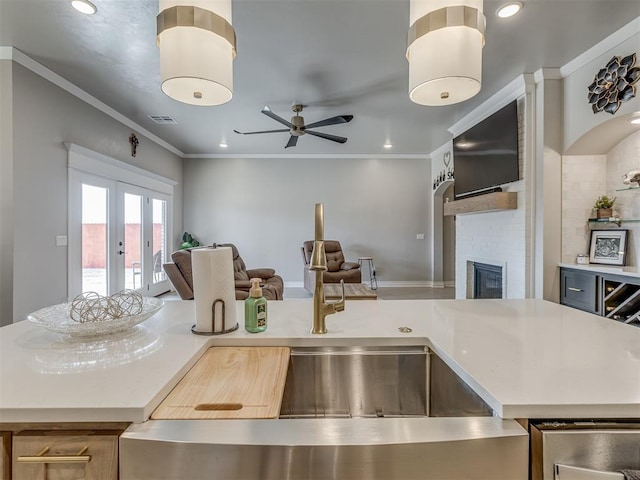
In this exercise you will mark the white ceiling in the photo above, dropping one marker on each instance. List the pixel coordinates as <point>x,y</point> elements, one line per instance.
<point>335,56</point>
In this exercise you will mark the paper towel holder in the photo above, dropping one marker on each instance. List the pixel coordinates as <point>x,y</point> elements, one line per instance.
<point>213,321</point>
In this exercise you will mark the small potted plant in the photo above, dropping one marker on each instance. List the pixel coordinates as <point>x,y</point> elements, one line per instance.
<point>604,206</point>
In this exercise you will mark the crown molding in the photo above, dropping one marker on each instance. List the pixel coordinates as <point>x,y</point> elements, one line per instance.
<point>547,74</point>
<point>512,91</point>
<point>11,53</point>
<point>345,156</point>
<point>612,41</point>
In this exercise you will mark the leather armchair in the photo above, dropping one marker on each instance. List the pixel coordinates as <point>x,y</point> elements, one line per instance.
<point>181,276</point>
<point>337,268</point>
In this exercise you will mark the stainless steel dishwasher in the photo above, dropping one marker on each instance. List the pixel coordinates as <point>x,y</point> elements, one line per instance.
<point>584,450</point>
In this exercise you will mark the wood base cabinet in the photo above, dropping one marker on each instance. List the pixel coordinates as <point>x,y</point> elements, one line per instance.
<point>54,455</point>
<point>5,455</point>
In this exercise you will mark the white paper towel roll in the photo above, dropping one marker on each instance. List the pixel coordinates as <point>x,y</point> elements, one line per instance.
<point>212,280</point>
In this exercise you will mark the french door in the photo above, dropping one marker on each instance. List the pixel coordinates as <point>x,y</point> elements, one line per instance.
<point>118,236</point>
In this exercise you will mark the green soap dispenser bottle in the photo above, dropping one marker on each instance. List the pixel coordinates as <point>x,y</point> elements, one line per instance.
<point>255,309</point>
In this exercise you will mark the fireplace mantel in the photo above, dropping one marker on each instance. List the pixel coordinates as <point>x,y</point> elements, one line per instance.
<point>482,203</point>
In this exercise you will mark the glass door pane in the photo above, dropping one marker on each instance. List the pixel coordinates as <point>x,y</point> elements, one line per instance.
<point>133,257</point>
<point>159,239</point>
<point>95,239</point>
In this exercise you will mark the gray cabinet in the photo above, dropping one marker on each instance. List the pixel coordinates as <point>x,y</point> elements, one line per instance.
<point>613,296</point>
<point>579,290</point>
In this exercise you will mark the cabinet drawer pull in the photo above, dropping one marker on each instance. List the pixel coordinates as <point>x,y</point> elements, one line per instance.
<point>573,289</point>
<point>41,458</point>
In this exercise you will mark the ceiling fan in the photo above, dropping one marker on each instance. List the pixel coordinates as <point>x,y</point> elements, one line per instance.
<point>297,128</point>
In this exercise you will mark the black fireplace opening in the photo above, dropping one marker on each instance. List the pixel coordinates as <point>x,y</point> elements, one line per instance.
<point>487,281</point>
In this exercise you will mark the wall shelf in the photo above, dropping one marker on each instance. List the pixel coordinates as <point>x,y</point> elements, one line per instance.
<point>617,221</point>
<point>489,202</point>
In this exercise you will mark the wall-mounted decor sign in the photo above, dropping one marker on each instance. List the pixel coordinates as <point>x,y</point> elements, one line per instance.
<point>444,175</point>
<point>614,84</point>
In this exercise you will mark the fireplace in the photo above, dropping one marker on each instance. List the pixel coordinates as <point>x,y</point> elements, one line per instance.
<point>487,281</point>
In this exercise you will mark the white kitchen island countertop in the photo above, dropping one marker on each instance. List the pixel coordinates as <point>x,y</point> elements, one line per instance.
<point>525,358</point>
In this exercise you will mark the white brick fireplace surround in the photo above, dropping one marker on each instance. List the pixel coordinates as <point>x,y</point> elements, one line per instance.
<point>493,238</point>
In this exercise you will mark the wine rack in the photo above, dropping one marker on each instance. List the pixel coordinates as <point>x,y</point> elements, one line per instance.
<point>621,300</point>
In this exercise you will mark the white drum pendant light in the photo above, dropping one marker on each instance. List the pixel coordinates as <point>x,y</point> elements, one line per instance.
<point>445,50</point>
<point>197,47</point>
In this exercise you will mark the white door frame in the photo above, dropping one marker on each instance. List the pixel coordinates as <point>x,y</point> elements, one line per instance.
<point>87,164</point>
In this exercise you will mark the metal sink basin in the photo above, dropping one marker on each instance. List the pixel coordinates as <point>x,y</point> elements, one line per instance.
<point>355,382</point>
<point>345,382</point>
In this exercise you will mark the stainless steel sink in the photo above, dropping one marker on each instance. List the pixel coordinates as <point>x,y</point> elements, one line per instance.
<point>356,382</point>
<point>335,425</point>
<point>343,382</point>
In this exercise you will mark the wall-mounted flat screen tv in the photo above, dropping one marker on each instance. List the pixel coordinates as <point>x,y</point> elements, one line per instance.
<point>486,155</point>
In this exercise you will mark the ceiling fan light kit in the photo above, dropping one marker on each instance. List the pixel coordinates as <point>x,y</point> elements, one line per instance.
<point>444,50</point>
<point>297,127</point>
<point>197,46</point>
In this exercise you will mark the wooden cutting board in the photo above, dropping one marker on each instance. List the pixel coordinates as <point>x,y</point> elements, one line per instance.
<point>230,382</point>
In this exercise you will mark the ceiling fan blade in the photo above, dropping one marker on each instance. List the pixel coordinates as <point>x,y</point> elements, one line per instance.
<point>293,140</point>
<point>333,138</point>
<point>331,121</point>
<point>267,111</point>
<point>263,131</point>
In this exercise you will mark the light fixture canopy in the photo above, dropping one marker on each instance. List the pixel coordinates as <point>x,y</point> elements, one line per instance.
<point>445,50</point>
<point>509,9</point>
<point>197,46</point>
<point>84,6</point>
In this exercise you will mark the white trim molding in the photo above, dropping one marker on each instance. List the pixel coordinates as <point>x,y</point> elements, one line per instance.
<point>81,158</point>
<point>612,41</point>
<point>512,91</point>
<point>12,53</point>
<point>343,156</point>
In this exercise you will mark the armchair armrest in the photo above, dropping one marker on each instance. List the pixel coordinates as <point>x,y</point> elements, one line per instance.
<point>261,273</point>
<point>242,284</point>
<point>349,266</point>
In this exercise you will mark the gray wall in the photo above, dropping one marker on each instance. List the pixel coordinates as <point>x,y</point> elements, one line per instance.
<point>266,207</point>
<point>6,193</point>
<point>45,116</point>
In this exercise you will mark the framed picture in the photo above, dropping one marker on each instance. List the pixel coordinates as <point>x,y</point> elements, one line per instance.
<point>608,247</point>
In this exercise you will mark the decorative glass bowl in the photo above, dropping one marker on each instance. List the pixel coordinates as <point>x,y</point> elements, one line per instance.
<point>57,319</point>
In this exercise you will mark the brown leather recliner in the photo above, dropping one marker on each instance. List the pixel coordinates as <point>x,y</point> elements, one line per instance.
<point>337,268</point>
<point>181,275</point>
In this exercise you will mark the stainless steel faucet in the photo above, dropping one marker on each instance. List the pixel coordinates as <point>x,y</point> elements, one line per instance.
<point>318,264</point>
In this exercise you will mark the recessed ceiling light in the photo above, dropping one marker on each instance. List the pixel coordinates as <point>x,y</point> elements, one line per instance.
<point>84,6</point>
<point>635,119</point>
<point>387,145</point>
<point>509,9</point>
<point>223,145</point>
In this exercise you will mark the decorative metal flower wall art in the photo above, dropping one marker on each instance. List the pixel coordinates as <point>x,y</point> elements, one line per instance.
<point>614,84</point>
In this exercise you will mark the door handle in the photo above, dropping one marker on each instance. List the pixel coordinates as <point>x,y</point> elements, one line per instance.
<point>573,289</point>
<point>40,457</point>
<point>121,252</point>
